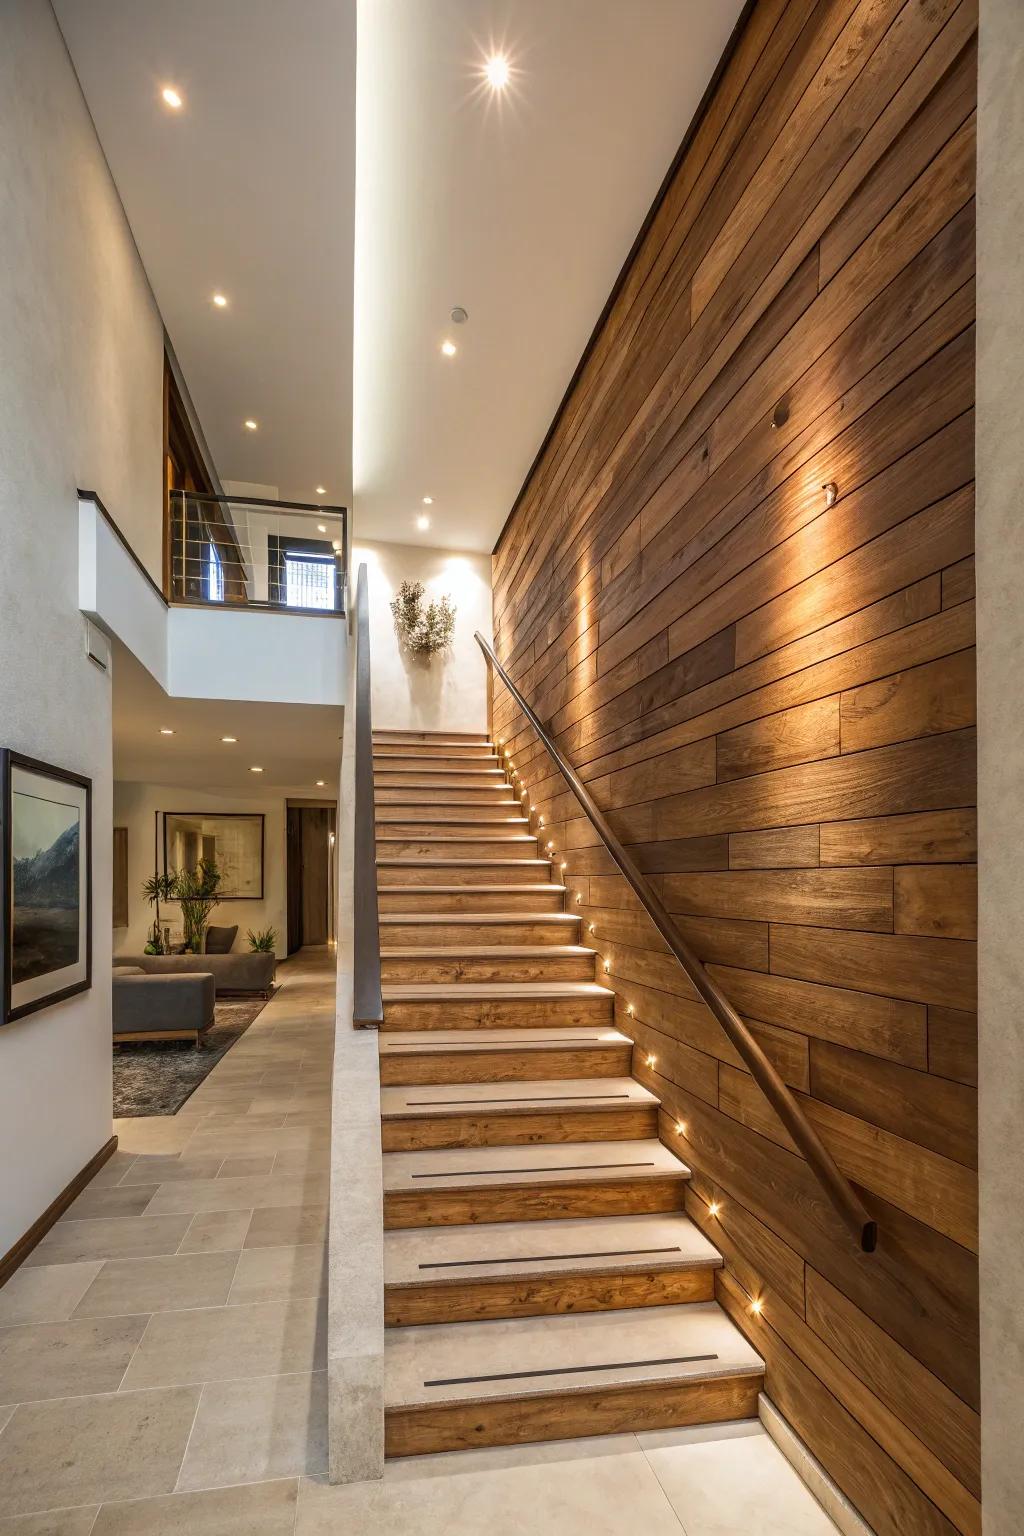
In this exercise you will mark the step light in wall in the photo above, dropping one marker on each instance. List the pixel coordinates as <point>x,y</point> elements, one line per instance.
<point>165,730</point>
<point>229,739</point>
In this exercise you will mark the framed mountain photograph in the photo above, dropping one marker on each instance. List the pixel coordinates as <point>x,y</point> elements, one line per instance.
<point>45,885</point>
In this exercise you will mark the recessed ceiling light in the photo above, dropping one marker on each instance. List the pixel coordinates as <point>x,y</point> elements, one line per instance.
<point>497,71</point>
<point>321,490</point>
<point>230,739</point>
<point>255,770</point>
<point>250,425</point>
<point>422,523</point>
<point>220,300</point>
<point>321,527</point>
<point>428,501</point>
<point>165,730</point>
<point>320,783</point>
<point>449,348</point>
<point>172,97</point>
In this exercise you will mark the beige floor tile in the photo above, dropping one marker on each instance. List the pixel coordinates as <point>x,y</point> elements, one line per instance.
<point>570,1490</point>
<point>260,1509</point>
<point>118,1200</point>
<point>216,1232</point>
<point>163,1284</point>
<point>118,1238</point>
<point>310,1160</point>
<point>162,1167</point>
<point>113,1170</point>
<point>223,1343</point>
<point>275,1274</point>
<point>55,1522</point>
<point>47,1294</point>
<point>6,1410</point>
<point>82,1450</point>
<point>732,1480</point>
<point>287,1226</point>
<point>246,1167</point>
<point>161,1133</point>
<point>239,1194</point>
<point>249,1431</point>
<point>40,1360</point>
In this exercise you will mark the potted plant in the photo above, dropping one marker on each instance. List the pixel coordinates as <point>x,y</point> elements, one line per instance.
<point>195,890</point>
<point>263,941</point>
<point>156,889</point>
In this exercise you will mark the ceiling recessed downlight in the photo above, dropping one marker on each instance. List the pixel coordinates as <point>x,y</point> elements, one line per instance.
<point>423,522</point>
<point>498,71</point>
<point>449,348</point>
<point>250,425</point>
<point>172,97</point>
<point>321,490</point>
<point>221,301</point>
<point>428,501</point>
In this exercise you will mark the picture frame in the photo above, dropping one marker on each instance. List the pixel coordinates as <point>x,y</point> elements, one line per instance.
<point>45,885</point>
<point>189,835</point>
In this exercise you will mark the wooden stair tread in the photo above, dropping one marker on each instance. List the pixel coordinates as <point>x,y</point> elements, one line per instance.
<point>419,1042</point>
<point>476,890</point>
<point>493,918</point>
<point>527,991</point>
<point>509,840</point>
<point>526,1357</point>
<point>525,1249</point>
<point>492,951</point>
<point>578,1162</point>
<point>530,1096</point>
<point>424,862</point>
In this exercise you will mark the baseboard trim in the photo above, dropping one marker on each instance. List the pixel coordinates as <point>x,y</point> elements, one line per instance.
<point>811,1472</point>
<point>17,1255</point>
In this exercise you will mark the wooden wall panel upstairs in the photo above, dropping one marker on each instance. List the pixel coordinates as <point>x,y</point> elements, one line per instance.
<point>773,698</point>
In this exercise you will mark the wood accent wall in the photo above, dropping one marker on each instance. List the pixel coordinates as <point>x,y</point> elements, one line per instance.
<point>774,700</point>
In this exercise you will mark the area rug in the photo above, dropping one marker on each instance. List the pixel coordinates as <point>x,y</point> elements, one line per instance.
<point>157,1078</point>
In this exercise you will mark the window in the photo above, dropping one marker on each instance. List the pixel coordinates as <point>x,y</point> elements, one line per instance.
<point>214,575</point>
<point>309,581</point>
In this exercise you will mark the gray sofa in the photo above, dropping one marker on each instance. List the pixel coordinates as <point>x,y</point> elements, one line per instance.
<point>249,972</point>
<point>169,1007</point>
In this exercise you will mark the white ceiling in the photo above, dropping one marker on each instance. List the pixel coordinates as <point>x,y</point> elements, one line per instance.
<point>294,744</point>
<point>247,190</point>
<point>520,207</point>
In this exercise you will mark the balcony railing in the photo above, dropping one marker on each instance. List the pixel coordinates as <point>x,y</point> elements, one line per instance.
<point>243,552</point>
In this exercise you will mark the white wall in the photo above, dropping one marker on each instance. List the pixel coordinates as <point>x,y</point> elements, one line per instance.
<point>135,807</point>
<point>1000,568</point>
<point>448,692</point>
<point>81,349</point>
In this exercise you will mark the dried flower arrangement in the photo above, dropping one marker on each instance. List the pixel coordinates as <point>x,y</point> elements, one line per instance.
<point>424,629</point>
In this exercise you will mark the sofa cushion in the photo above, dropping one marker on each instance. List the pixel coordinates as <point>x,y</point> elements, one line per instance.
<point>162,1003</point>
<point>220,940</point>
<point>127,970</point>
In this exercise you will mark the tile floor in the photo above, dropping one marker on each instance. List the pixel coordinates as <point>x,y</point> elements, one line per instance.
<point>162,1351</point>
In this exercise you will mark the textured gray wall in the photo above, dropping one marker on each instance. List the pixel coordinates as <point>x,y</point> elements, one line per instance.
<point>1000,558</point>
<point>80,405</point>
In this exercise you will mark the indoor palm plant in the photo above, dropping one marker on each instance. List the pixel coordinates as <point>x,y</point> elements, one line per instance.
<point>195,890</point>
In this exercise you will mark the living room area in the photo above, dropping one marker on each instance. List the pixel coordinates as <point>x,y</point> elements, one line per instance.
<point>223,837</point>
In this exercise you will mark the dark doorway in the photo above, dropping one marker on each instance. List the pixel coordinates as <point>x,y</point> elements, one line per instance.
<point>310,875</point>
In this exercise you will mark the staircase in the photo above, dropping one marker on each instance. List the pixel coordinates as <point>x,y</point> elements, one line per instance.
<point>541,1281</point>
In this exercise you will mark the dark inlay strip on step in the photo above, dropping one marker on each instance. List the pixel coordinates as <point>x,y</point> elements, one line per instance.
<point>480,1045</point>
<point>480,1173</point>
<point>523,1098</point>
<point>566,1370</point>
<point>546,1258</point>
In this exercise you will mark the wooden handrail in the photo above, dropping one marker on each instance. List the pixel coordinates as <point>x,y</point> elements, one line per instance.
<point>838,1188</point>
<point>368,1005</point>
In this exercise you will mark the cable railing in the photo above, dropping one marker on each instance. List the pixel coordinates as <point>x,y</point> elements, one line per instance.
<point>367,1004</point>
<point>246,552</point>
<point>837,1187</point>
